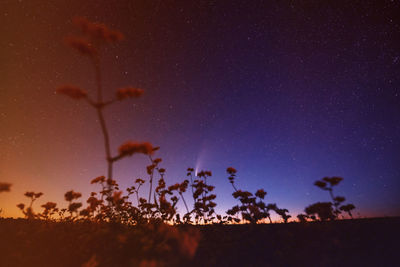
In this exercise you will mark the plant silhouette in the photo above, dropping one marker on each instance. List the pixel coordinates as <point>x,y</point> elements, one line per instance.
<point>253,209</point>
<point>327,210</point>
<point>4,187</point>
<point>94,37</point>
<point>28,211</point>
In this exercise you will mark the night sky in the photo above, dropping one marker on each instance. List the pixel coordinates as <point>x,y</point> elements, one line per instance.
<point>287,92</point>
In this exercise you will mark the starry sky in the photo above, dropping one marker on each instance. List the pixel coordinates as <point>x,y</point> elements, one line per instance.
<point>287,92</point>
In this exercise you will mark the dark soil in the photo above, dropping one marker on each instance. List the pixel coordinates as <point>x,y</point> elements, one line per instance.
<point>359,242</point>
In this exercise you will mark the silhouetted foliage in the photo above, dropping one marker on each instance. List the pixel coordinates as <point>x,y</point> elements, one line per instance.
<point>327,210</point>
<point>5,187</point>
<point>348,208</point>
<point>28,211</point>
<point>253,209</point>
<point>204,204</point>
<point>322,209</point>
<point>94,36</point>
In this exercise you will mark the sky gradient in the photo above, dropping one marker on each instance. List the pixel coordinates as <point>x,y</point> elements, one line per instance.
<point>287,92</point>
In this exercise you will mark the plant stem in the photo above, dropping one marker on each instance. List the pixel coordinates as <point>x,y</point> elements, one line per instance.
<point>99,108</point>
<point>151,179</point>
<point>106,142</point>
<point>192,186</point>
<point>234,187</point>
<point>184,202</point>
<point>334,202</point>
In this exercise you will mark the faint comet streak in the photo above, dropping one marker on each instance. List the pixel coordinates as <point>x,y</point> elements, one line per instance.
<point>200,160</point>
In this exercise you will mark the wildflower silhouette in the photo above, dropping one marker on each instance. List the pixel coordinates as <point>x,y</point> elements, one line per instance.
<point>203,199</point>
<point>73,206</point>
<point>253,209</point>
<point>323,210</point>
<point>93,37</point>
<point>328,210</point>
<point>5,187</point>
<point>160,206</point>
<point>50,208</point>
<point>28,211</point>
<point>348,208</point>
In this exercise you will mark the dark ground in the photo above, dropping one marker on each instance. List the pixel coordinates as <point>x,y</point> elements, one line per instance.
<point>359,242</point>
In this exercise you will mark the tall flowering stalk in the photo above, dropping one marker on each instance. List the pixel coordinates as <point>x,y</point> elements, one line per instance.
<point>93,37</point>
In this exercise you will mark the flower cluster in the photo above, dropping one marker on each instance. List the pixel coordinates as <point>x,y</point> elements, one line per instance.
<point>97,32</point>
<point>129,148</point>
<point>5,187</point>
<point>72,91</point>
<point>129,92</point>
<point>93,36</point>
<point>82,45</point>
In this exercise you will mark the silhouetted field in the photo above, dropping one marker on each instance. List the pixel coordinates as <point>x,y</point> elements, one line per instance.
<point>358,242</point>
